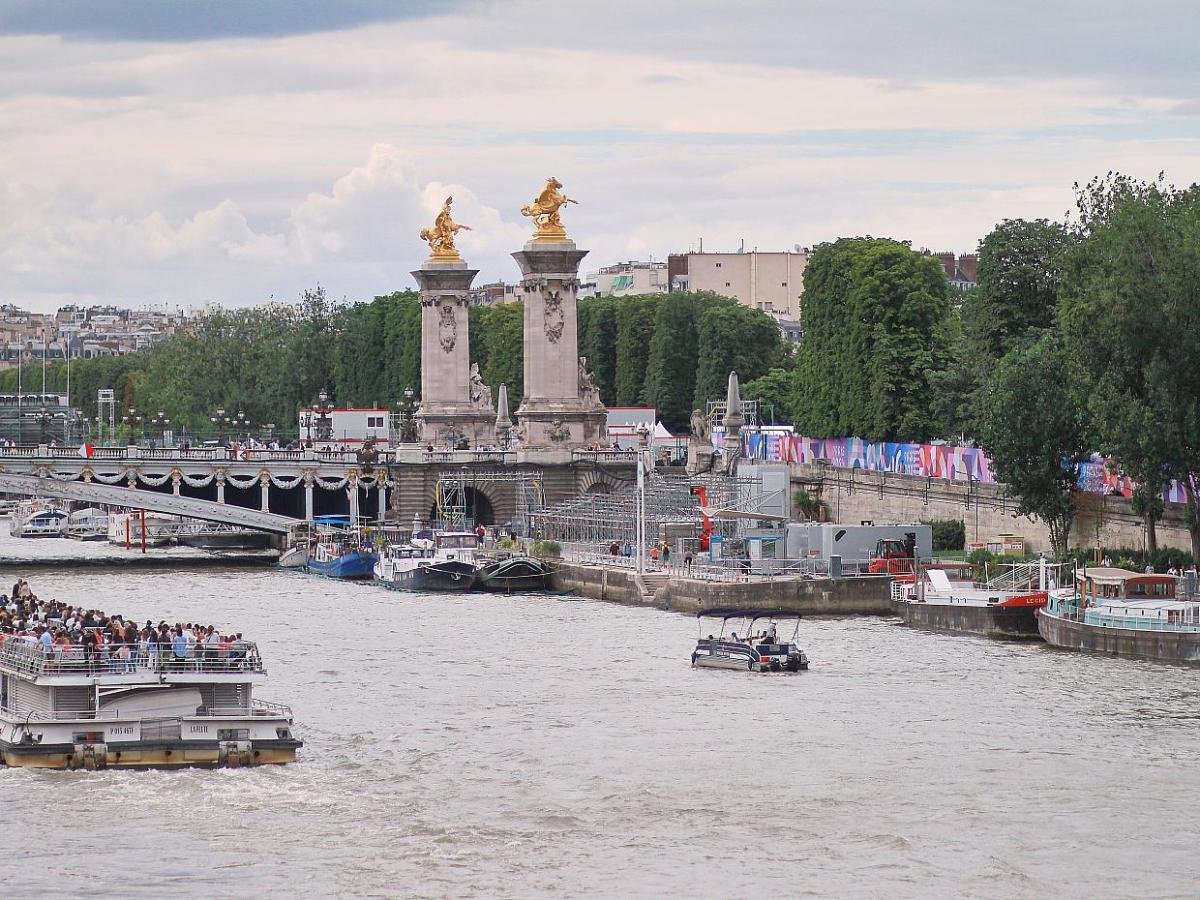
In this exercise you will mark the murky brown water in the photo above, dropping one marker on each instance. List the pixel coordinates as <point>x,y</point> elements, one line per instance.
<point>539,746</point>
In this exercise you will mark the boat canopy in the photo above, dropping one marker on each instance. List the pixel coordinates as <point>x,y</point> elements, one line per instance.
<point>726,612</point>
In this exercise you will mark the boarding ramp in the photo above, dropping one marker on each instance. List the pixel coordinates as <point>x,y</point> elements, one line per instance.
<point>151,501</point>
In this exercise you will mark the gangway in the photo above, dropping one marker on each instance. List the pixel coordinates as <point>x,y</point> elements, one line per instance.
<point>151,501</point>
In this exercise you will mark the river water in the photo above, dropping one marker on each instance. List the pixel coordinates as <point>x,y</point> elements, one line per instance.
<point>538,746</point>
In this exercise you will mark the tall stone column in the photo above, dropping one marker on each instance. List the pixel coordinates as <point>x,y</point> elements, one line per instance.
<point>455,404</point>
<point>560,406</point>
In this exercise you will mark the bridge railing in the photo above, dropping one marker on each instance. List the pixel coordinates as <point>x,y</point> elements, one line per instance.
<point>605,455</point>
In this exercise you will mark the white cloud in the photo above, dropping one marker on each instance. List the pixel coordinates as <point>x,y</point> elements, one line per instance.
<point>236,169</point>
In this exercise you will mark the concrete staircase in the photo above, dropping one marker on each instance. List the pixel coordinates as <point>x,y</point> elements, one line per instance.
<point>652,582</point>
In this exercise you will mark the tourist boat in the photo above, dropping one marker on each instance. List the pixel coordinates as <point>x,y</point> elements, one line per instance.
<point>8,507</point>
<point>341,554</point>
<point>64,708</point>
<point>38,519</point>
<point>88,524</point>
<point>512,573</point>
<point>1124,613</point>
<point>445,562</point>
<point>753,652</point>
<point>1004,607</point>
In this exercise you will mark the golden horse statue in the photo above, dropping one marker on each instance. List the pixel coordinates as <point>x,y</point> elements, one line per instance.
<point>441,236</point>
<point>544,211</point>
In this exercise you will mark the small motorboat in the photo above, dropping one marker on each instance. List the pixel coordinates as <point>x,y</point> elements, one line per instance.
<point>444,563</point>
<point>758,650</point>
<point>512,573</point>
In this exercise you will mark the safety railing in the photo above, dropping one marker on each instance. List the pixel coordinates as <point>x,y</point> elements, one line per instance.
<point>1141,623</point>
<point>34,659</point>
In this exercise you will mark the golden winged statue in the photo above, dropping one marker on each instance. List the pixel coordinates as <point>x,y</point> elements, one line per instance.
<point>544,212</point>
<point>441,236</point>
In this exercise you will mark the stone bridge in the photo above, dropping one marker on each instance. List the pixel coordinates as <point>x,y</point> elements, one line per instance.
<point>399,485</point>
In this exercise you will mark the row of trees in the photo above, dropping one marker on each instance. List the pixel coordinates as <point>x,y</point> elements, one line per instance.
<point>673,351</point>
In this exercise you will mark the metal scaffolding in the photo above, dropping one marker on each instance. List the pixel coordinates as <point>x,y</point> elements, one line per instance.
<point>601,519</point>
<point>453,508</point>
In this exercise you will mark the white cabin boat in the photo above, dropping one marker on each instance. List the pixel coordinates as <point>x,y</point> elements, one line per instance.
<point>37,518</point>
<point>125,529</point>
<point>87,524</point>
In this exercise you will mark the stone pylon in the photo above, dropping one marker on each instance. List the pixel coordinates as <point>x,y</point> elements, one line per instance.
<point>455,404</point>
<point>561,406</point>
<point>504,423</point>
<point>734,420</point>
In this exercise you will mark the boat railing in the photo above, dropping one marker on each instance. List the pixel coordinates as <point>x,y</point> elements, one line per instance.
<point>1140,623</point>
<point>257,707</point>
<point>34,659</point>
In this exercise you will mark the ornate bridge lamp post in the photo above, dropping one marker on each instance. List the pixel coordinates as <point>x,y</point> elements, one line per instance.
<point>220,422</point>
<point>241,425</point>
<point>132,421</point>
<point>323,420</point>
<point>161,423</point>
<point>306,422</point>
<point>408,421</point>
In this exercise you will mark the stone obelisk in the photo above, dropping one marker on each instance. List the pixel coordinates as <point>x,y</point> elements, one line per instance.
<point>560,406</point>
<point>456,406</point>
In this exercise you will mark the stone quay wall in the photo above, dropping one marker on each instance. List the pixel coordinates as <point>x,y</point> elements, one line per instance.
<point>811,596</point>
<point>988,510</point>
<point>613,584</point>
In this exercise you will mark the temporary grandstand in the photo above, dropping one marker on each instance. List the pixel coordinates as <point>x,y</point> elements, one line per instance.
<point>601,518</point>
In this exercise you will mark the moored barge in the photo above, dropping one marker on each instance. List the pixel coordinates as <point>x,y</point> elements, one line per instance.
<point>1124,613</point>
<point>1005,607</point>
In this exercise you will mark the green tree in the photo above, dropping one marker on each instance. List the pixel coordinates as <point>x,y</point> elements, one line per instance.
<point>598,342</point>
<point>504,347</point>
<point>1019,272</point>
<point>1130,315</point>
<point>774,392</point>
<point>1033,433</point>
<point>731,337</point>
<point>635,328</point>
<point>671,366</point>
<point>877,326</point>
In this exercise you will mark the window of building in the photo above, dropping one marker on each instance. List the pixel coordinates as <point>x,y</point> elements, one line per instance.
<point>374,421</point>
<point>718,265</point>
<point>727,284</point>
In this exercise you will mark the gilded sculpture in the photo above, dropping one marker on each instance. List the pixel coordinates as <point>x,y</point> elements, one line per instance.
<point>544,212</point>
<point>441,236</point>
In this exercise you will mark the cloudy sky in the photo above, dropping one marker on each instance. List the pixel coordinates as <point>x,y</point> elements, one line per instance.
<point>158,151</point>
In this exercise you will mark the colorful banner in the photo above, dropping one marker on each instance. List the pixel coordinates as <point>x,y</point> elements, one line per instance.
<point>1097,476</point>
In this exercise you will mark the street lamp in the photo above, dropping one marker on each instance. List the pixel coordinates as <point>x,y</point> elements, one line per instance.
<point>408,421</point>
<point>323,421</point>
<point>220,422</point>
<point>132,420</point>
<point>242,423</point>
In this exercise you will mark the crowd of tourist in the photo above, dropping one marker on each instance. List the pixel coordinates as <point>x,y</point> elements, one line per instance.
<point>69,636</point>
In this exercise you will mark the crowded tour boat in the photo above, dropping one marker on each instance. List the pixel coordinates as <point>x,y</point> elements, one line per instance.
<point>82,689</point>
<point>948,599</point>
<point>444,562</point>
<point>758,649</point>
<point>1124,613</point>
